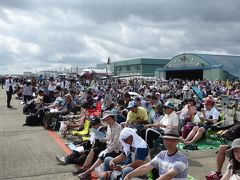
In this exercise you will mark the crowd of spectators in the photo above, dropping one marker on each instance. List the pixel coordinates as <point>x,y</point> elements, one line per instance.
<point>134,114</point>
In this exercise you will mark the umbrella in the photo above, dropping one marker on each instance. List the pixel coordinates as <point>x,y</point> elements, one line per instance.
<point>198,92</point>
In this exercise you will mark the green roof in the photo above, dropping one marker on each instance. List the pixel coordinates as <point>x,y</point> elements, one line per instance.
<point>141,61</point>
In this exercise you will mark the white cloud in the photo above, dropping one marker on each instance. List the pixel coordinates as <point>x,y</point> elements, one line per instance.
<point>52,34</point>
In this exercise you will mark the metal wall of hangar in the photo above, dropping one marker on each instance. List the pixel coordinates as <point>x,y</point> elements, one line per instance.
<point>191,73</point>
<point>200,66</point>
<point>196,74</point>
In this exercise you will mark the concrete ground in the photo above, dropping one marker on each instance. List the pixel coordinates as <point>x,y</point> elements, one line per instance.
<point>28,153</point>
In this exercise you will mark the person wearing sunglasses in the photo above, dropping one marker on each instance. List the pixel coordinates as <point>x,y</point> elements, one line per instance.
<point>168,121</point>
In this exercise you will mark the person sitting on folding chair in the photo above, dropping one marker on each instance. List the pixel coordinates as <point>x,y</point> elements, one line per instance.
<point>210,117</point>
<point>93,145</point>
<point>168,121</point>
<point>136,117</point>
<point>113,147</point>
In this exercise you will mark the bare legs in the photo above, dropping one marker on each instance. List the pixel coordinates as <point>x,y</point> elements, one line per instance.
<point>88,161</point>
<point>221,157</point>
<point>92,168</point>
<point>195,135</point>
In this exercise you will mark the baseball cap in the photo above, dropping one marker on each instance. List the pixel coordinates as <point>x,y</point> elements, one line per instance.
<point>169,104</point>
<point>209,101</point>
<point>131,105</point>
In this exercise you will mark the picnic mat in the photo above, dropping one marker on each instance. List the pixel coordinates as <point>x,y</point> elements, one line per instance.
<point>204,144</point>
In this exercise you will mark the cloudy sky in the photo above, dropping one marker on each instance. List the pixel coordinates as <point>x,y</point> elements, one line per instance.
<point>54,34</point>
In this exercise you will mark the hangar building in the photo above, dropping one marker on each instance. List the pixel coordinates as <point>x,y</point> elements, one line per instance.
<point>201,66</point>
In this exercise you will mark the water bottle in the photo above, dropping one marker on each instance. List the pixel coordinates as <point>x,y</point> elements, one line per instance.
<point>150,175</point>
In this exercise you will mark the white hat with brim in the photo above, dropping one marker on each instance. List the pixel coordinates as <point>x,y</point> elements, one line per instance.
<point>235,144</point>
<point>107,114</point>
<point>171,134</point>
<point>185,88</point>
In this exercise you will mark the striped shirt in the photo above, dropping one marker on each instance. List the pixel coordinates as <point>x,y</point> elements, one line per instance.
<point>177,161</point>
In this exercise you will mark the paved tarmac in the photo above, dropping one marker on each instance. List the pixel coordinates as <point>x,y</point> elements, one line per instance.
<point>28,153</point>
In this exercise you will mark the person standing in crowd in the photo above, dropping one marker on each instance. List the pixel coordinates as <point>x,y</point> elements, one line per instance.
<point>27,91</point>
<point>9,90</point>
<point>3,81</point>
<point>171,163</point>
<point>233,169</point>
<point>51,85</point>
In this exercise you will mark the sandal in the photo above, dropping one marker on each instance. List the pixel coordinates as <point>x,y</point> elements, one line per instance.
<point>186,146</point>
<point>84,175</point>
<point>191,147</point>
<point>78,171</point>
<point>105,175</point>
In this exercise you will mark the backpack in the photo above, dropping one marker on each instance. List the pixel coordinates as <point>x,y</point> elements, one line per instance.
<point>232,133</point>
<point>29,107</point>
<point>187,129</point>
<point>32,120</point>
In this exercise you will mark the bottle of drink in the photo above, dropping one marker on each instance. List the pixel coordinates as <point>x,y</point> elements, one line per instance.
<point>150,175</point>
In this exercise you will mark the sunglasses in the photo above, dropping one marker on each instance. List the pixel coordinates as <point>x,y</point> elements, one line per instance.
<point>165,107</point>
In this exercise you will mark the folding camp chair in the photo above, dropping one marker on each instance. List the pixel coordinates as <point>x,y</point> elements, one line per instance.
<point>85,130</point>
<point>217,131</point>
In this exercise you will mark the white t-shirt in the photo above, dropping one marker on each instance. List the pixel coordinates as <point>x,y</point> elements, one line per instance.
<point>170,120</point>
<point>233,176</point>
<point>185,111</point>
<point>8,83</point>
<point>51,86</point>
<point>213,114</point>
